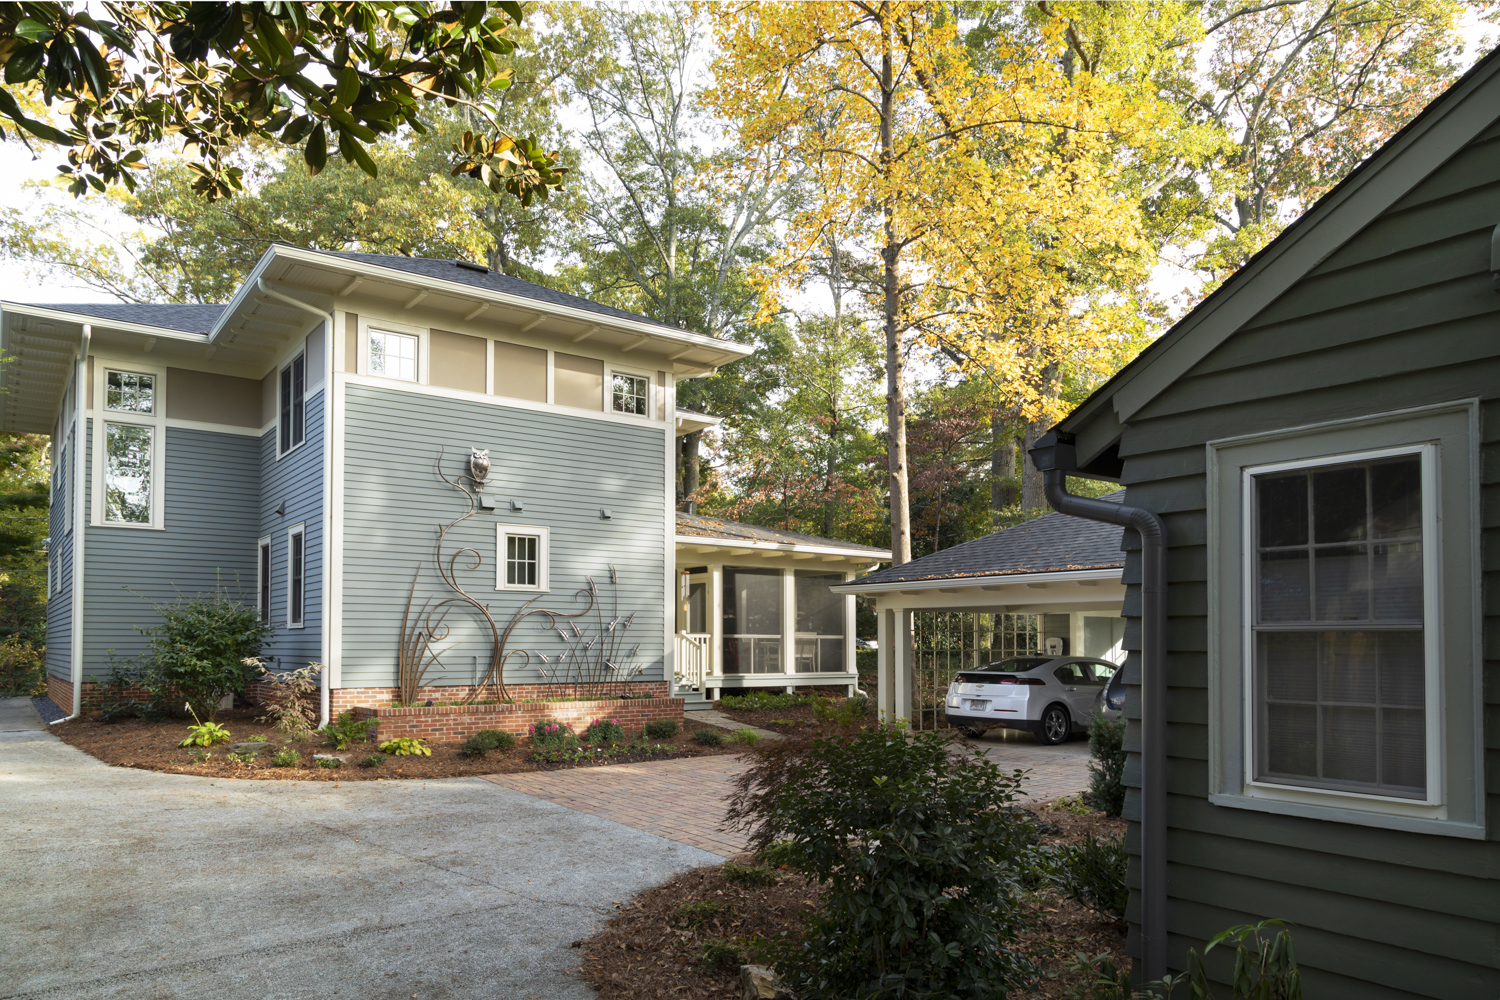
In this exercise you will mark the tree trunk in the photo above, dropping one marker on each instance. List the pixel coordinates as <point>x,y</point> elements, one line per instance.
<point>1002,468</point>
<point>895,390</point>
<point>1032,496</point>
<point>691,469</point>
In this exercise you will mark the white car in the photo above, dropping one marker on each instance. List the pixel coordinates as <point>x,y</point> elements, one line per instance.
<point>1052,697</point>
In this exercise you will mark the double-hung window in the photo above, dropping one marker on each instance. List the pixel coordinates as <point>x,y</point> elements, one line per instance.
<point>630,393</point>
<point>1344,671</point>
<point>263,579</point>
<point>522,557</point>
<point>129,448</point>
<point>296,576</point>
<point>393,355</point>
<point>293,410</point>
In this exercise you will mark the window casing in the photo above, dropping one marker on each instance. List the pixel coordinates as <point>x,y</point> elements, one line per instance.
<point>293,404</point>
<point>129,447</point>
<point>521,557</point>
<point>296,577</point>
<point>393,355</point>
<point>630,393</point>
<point>1344,661</point>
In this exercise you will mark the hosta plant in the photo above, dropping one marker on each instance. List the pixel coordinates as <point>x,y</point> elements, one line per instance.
<point>406,746</point>
<point>204,734</point>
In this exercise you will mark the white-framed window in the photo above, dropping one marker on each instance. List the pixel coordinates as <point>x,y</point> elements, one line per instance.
<point>292,405</point>
<point>1344,663</point>
<point>521,557</point>
<point>129,446</point>
<point>263,578</point>
<point>393,355</point>
<point>296,576</point>
<point>630,393</point>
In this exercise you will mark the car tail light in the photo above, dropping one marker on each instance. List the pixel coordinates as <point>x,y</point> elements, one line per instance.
<point>1035,681</point>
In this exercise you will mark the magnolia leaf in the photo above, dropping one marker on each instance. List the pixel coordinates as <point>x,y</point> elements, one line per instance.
<point>315,154</point>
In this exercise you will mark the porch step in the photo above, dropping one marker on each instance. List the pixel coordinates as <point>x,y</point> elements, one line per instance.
<point>692,700</point>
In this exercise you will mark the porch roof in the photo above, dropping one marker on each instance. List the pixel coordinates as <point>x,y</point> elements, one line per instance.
<point>697,530</point>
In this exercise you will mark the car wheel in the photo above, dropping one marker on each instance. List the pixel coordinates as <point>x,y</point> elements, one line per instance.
<point>1056,726</point>
<point>972,732</point>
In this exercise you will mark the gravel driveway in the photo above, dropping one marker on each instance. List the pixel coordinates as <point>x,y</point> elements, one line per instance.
<point>122,883</point>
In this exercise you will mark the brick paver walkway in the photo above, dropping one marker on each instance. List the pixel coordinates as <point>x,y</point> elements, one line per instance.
<point>683,800</point>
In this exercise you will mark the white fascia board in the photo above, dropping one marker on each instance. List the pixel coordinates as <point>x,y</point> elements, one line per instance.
<point>787,547</point>
<point>460,290</point>
<point>979,582</point>
<point>101,322</point>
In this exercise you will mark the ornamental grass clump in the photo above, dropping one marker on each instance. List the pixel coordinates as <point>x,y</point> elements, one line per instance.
<point>916,852</point>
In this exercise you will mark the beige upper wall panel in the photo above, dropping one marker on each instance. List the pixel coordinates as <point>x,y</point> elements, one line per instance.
<point>213,399</point>
<point>456,361</point>
<point>351,342</point>
<point>268,398</point>
<point>577,382</point>
<point>521,372</point>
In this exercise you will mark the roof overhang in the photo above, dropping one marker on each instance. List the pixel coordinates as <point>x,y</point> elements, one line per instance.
<point>689,421</point>
<point>992,582</point>
<point>323,278</point>
<point>744,547</point>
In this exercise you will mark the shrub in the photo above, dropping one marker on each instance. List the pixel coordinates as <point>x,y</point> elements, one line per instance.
<point>374,760</point>
<point>1263,969</point>
<point>291,704</point>
<point>916,852</point>
<point>22,671</point>
<point>604,732</point>
<point>345,729</point>
<point>204,649</point>
<point>765,701</point>
<point>1106,765</point>
<point>248,757</point>
<point>722,953</point>
<point>549,734</point>
<point>332,763</point>
<point>286,758</point>
<point>844,713</point>
<point>748,875</point>
<point>406,746</point>
<point>661,729</point>
<point>484,741</point>
<point>1093,873</point>
<point>708,738</point>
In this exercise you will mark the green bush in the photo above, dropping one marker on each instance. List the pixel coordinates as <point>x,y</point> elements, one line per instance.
<point>745,735</point>
<point>204,649</point>
<point>708,738</point>
<point>344,730</point>
<point>286,758</point>
<point>724,954</point>
<point>915,849</point>
<point>22,670</point>
<point>765,701</point>
<point>703,911</point>
<point>406,746</point>
<point>205,734</point>
<point>604,732</point>
<point>1093,873</point>
<point>374,760</point>
<point>844,713</point>
<point>1106,765</point>
<point>549,734</point>
<point>484,741</point>
<point>661,729</point>
<point>748,875</point>
<point>332,763</point>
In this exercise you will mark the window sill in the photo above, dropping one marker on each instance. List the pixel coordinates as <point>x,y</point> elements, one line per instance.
<point>127,527</point>
<point>1413,819</point>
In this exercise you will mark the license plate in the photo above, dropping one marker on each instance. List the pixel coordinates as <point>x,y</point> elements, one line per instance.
<point>977,706</point>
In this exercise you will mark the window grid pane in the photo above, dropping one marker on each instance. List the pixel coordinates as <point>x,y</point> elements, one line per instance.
<point>521,561</point>
<point>127,473</point>
<point>393,355</point>
<point>630,394</point>
<point>295,581</point>
<point>129,392</point>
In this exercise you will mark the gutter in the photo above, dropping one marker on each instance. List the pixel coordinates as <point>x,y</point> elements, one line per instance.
<point>80,467</point>
<point>1054,457</point>
<point>989,581</point>
<point>326,610</point>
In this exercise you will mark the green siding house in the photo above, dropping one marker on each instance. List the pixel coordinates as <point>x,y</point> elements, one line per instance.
<point>1320,440</point>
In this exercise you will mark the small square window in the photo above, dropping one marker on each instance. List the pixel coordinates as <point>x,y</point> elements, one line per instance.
<point>522,558</point>
<point>632,393</point>
<point>393,355</point>
<point>129,392</point>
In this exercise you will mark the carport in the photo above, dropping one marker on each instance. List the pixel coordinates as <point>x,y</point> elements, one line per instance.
<point>1051,584</point>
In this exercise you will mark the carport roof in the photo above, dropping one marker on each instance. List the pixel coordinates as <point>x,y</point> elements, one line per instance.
<point>1052,543</point>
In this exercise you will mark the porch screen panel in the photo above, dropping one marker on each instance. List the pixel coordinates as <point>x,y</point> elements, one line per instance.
<point>752,620</point>
<point>820,623</point>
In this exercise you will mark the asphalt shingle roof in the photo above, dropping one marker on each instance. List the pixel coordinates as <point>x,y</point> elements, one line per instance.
<point>185,318</point>
<point>713,527</point>
<point>447,270</point>
<point>1052,543</point>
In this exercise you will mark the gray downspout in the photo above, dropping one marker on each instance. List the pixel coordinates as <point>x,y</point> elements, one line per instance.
<point>1054,457</point>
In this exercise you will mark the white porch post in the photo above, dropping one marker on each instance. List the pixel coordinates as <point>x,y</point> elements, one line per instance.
<point>788,625</point>
<point>851,662</point>
<point>1075,634</point>
<point>715,623</point>
<point>902,665</point>
<point>885,632</point>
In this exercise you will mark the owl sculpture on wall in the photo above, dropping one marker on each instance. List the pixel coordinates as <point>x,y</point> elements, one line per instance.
<point>479,466</point>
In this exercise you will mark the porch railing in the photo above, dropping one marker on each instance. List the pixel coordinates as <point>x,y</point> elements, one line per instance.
<point>692,659</point>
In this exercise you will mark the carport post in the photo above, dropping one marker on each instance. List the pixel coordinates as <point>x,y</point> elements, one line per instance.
<point>885,689</point>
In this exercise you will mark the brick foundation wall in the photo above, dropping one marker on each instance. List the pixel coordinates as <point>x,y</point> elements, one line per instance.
<point>61,693</point>
<point>456,723</point>
<point>343,699</point>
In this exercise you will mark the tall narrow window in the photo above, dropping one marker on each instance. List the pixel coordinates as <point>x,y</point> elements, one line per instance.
<point>522,558</point>
<point>1340,667</point>
<point>128,444</point>
<point>293,406</point>
<point>631,393</point>
<point>296,552</point>
<point>263,571</point>
<point>127,473</point>
<point>393,355</point>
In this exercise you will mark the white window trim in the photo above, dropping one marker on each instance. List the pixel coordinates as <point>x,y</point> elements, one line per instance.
<point>406,329</point>
<point>297,529</point>
<point>1447,435</point>
<point>156,420</point>
<point>276,423</point>
<point>263,585</point>
<point>1431,648</point>
<point>543,556</point>
<point>610,371</point>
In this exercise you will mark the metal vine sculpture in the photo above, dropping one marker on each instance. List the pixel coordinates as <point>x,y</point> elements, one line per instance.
<point>596,662</point>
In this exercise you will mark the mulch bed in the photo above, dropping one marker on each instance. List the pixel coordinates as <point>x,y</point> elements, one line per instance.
<point>653,949</point>
<point>781,720</point>
<point>152,746</point>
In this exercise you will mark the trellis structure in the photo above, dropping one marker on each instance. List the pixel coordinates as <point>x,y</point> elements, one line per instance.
<point>946,642</point>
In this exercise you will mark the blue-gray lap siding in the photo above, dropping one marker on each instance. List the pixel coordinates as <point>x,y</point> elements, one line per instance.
<point>60,559</point>
<point>296,479</point>
<point>1402,315</point>
<point>210,482</point>
<point>562,468</point>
